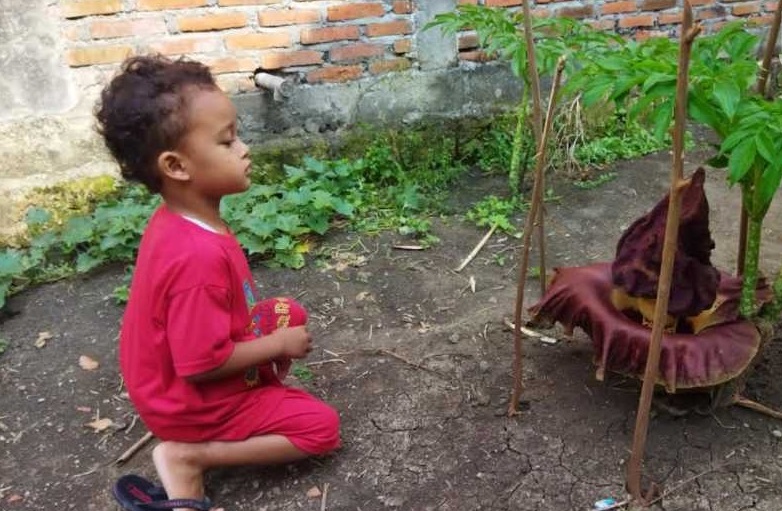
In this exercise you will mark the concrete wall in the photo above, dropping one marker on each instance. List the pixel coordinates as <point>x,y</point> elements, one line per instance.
<point>352,60</point>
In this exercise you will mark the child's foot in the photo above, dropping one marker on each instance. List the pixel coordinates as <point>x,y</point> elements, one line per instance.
<point>179,471</point>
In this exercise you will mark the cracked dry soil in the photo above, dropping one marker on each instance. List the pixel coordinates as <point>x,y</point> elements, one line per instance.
<point>424,433</point>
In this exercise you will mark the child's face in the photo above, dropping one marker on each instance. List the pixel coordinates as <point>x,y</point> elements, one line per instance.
<point>216,160</point>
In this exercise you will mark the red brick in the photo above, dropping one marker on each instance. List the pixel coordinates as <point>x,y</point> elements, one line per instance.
<point>81,8</point>
<point>386,66</point>
<point>234,84</point>
<point>328,34</point>
<point>645,20</point>
<point>578,12</point>
<point>279,18</point>
<point>258,41</point>
<point>355,52</point>
<point>468,41</point>
<point>79,57</point>
<point>657,5</point>
<point>746,9</point>
<point>617,7</point>
<point>335,74</point>
<point>706,14</point>
<point>503,3</point>
<point>761,20</point>
<point>355,11</point>
<point>403,46</point>
<point>642,35</point>
<point>230,3</point>
<point>186,45</point>
<point>231,65</point>
<point>277,60</point>
<point>670,19</point>
<point>770,6</point>
<point>160,5</point>
<point>220,21</point>
<point>402,7</point>
<point>475,56</point>
<point>603,24</point>
<point>696,3</point>
<point>104,29</point>
<point>389,28</point>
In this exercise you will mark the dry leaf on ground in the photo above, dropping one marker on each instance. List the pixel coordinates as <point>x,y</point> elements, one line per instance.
<point>87,363</point>
<point>42,338</point>
<point>100,424</point>
<point>314,492</point>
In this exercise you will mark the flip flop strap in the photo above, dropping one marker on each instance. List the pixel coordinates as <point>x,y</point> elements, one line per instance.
<point>200,505</point>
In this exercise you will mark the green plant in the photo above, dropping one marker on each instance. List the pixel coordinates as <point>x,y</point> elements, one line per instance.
<point>493,210</point>
<point>301,372</point>
<point>591,184</point>
<point>642,76</point>
<point>498,35</point>
<point>273,220</point>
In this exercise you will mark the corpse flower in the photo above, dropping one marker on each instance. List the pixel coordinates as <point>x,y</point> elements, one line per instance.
<point>706,342</point>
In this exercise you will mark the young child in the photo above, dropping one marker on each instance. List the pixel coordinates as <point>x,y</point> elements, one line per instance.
<point>198,349</point>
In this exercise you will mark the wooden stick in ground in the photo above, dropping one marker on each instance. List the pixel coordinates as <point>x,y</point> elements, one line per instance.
<point>765,68</point>
<point>540,163</point>
<point>477,249</point>
<point>133,449</point>
<point>542,235</point>
<point>534,76</point>
<point>537,121</point>
<point>669,252</point>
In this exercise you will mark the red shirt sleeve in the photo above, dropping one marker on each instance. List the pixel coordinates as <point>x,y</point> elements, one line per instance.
<point>199,329</point>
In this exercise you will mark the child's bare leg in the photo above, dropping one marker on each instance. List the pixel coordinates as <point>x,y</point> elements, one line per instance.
<point>181,465</point>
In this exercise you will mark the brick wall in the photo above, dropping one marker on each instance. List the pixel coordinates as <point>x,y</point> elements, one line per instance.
<point>635,18</point>
<point>324,40</point>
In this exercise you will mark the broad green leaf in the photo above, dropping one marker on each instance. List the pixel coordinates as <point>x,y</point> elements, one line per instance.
<point>77,230</point>
<point>37,216</point>
<point>766,147</point>
<point>86,262</point>
<point>741,160</point>
<point>769,185</point>
<point>289,223</point>
<point>10,263</point>
<point>728,95</point>
<point>318,223</point>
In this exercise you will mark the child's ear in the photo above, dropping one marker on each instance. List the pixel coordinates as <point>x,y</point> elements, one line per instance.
<point>172,165</point>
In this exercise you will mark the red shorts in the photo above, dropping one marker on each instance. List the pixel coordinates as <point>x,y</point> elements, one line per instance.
<point>309,423</point>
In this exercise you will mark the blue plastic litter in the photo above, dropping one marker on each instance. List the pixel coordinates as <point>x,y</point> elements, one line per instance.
<point>604,504</point>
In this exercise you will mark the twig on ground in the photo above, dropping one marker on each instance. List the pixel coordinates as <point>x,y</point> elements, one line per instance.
<point>323,497</point>
<point>531,333</point>
<point>133,449</point>
<point>327,361</point>
<point>477,249</point>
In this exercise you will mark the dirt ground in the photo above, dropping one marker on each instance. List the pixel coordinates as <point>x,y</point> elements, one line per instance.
<point>425,429</point>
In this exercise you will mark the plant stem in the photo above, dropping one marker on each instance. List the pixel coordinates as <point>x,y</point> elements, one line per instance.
<point>515,176</point>
<point>776,306</point>
<point>748,308</point>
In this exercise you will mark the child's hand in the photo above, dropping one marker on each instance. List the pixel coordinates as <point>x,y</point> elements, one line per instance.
<point>295,342</point>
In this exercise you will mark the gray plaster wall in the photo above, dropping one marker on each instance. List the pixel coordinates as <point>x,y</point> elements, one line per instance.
<point>47,130</point>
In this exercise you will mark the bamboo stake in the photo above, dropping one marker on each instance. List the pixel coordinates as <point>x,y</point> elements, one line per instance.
<point>532,66</point>
<point>765,68</point>
<point>689,33</point>
<point>540,163</point>
<point>537,121</point>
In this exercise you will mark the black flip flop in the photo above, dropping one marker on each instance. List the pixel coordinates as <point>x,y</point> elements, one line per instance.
<point>134,493</point>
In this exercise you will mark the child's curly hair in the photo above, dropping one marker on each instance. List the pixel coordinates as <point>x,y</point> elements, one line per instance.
<point>142,112</point>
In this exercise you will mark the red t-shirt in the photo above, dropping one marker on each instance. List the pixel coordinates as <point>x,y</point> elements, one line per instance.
<point>192,298</point>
